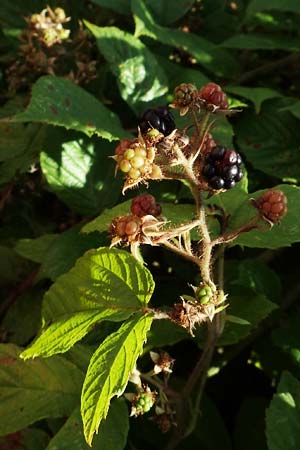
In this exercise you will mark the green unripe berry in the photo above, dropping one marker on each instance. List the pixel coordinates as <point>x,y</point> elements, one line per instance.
<point>205,299</point>
<point>125,166</point>
<point>129,154</point>
<point>141,152</point>
<point>134,173</point>
<point>153,133</point>
<point>202,292</point>
<point>137,162</point>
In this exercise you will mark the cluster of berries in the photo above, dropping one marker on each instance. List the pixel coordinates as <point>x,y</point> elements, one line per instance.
<point>134,162</point>
<point>223,168</point>
<point>159,118</point>
<point>130,228</point>
<point>135,158</point>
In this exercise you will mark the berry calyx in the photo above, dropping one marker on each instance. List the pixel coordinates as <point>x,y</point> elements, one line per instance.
<point>143,205</point>
<point>159,118</point>
<point>222,168</point>
<point>213,97</point>
<point>272,205</point>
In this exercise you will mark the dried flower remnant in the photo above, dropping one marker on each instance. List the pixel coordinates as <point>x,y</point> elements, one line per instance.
<point>47,48</point>
<point>163,362</point>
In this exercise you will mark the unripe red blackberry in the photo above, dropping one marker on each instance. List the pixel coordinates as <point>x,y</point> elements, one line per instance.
<point>213,97</point>
<point>272,205</point>
<point>143,205</point>
<point>222,168</point>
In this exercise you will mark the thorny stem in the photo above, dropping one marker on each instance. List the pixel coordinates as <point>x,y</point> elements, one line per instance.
<point>205,259</point>
<point>201,128</point>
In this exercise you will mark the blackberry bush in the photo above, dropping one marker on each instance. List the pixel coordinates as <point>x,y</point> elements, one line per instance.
<point>142,293</point>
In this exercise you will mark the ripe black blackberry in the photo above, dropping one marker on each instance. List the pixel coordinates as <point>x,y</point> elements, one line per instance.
<point>159,118</point>
<point>222,168</point>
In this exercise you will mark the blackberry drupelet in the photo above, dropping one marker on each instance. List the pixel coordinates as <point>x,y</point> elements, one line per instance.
<point>222,168</point>
<point>159,118</point>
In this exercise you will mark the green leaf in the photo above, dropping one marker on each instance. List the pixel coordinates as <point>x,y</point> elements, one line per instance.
<point>12,13</point>
<point>17,139</point>
<point>203,438</point>
<point>251,416</point>
<point>165,12</point>
<point>238,320</point>
<point>287,337</point>
<point>109,369</point>
<point>57,101</point>
<point>263,42</point>
<point>283,414</point>
<point>102,222</point>
<point>70,436</point>
<point>34,390</point>
<point>223,132</point>
<point>165,332</point>
<point>256,275</point>
<point>261,5</point>
<point>35,249</point>
<point>61,256</point>
<point>79,171</point>
<point>104,285</point>
<point>248,306</point>
<point>25,310</point>
<point>32,137</point>
<point>139,76</point>
<point>256,95</point>
<point>294,108</point>
<point>119,6</point>
<point>28,439</point>
<point>215,59</point>
<point>280,235</point>
<point>272,141</point>
<point>9,265</point>
<point>176,73</point>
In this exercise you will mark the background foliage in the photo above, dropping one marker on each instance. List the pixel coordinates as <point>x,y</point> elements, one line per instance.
<point>59,193</point>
